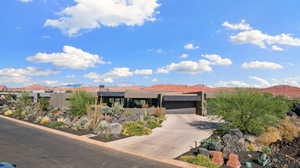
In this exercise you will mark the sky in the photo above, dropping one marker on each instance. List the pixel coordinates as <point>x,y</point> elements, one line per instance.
<point>218,43</point>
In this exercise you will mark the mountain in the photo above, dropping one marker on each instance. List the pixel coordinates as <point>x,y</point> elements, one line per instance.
<point>284,90</point>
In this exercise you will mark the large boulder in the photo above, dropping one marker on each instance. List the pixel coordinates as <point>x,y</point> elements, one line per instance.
<point>296,109</point>
<point>236,132</point>
<point>215,147</point>
<point>233,144</point>
<point>115,128</point>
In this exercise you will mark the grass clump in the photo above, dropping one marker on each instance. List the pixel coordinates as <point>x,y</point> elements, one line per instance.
<point>288,130</point>
<point>153,123</point>
<point>200,160</point>
<point>79,102</point>
<point>135,128</point>
<point>56,124</point>
<point>249,110</point>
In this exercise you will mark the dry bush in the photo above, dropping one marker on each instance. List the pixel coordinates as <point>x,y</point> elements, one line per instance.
<point>288,130</point>
<point>271,135</point>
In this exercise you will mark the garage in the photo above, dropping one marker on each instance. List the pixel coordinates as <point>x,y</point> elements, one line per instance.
<point>180,104</point>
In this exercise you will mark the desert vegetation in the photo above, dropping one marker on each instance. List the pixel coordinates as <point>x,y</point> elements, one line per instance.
<point>85,115</point>
<point>257,128</point>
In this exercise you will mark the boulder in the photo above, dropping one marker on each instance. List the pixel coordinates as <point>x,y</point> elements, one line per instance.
<point>201,151</point>
<point>237,132</point>
<point>292,114</point>
<point>215,147</point>
<point>233,161</point>
<point>115,128</point>
<point>217,158</point>
<point>233,144</point>
<point>296,109</point>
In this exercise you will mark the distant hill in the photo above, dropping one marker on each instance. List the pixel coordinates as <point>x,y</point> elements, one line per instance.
<point>284,90</point>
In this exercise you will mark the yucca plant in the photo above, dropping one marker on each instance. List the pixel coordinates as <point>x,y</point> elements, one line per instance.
<point>79,102</point>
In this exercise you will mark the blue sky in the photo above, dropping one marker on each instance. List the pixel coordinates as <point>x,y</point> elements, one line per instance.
<point>144,42</point>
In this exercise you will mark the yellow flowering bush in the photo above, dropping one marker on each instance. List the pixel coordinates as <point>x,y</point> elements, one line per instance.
<point>45,120</point>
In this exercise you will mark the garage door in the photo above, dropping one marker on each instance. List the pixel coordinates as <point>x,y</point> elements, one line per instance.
<point>178,107</point>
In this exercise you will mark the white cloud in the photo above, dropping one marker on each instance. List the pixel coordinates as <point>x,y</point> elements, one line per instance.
<point>71,57</point>
<point>187,67</point>
<point>190,46</point>
<point>51,83</point>
<point>262,40</point>
<point>121,72</point>
<point>231,84</point>
<point>25,1</point>
<point>184,55</point>
<point>143,72</point>
<point>217,60</point>
<point>240,26</point>
<point>261,65</point>
<point>22,75</point>
<point>91,14</point>
<point>261,82</point>
<point>276,48</point>
<point>154,80</point>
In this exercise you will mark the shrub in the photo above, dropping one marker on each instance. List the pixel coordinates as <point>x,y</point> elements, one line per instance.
<point>8,113</point>
<point>271,135</point>
<point>200,160</point>
<point>44,104</point>
<point>135,128</point>
<point>288,130</point>
<point>249,110</point>
<point>153,123</point>
<point>56,124</point>
<point>211,140</point>
<point>251,147</point>
<point>79,102</point>
<point>45,120</point>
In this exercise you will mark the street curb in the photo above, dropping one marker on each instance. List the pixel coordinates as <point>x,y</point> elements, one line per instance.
<point>101,144</point>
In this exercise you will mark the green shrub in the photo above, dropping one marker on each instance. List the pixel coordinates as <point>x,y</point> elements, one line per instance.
<point>153,123</point>
<point>135,128</point>
<point>249,110</point>
<point>56,124</point>
<point>79,102</point>
<point>211,140</point>
<point>44,103</point>
<point>200,160</point>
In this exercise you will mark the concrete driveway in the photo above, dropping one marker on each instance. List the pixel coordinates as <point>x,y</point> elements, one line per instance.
<point>33,148</point>
<point>178,134</point>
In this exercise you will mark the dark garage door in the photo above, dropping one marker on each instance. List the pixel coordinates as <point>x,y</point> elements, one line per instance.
<point>180,107</point>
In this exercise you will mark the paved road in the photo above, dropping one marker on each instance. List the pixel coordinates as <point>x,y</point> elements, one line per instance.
<point>31,148</point>
<point>177,135</point>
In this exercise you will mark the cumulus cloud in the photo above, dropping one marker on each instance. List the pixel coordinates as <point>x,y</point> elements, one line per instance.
<point>154,80</point>
<point>195,67</point>
<point>143,72</point>
<point>23,75</point>
<point>261,82</point>
<point>184,55</point>
<point>91,14</point>
<point>231,84</point>
<point>261,65</point>
<point>240,26</point>
<point>257,37</point>
<point>276,48</point>
<point>187,67</point>
<point>217,59</point>
<point>71,57</point>
<point>190,46</point>
<point>121,72</point>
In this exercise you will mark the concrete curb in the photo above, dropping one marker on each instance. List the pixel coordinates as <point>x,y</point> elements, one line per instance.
<point>101,144</point>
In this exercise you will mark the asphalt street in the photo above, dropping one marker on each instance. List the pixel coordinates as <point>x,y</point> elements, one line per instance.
<point>32,148</point>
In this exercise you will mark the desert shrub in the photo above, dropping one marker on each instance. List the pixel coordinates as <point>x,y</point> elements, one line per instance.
<point>45,120</point>
<point>8,112</point>
<point>135,128</point>
<point>56,124</point>
<point>251,147</point>
<point>223,129</point>
<point>249,110</point>
<point>200,160</point>
<point>43,104</point>
<point>271,135</point>
<point>117,109</point>
<point>153,123</point>
<point>79,102</point>
<point>22,102</point>
<point>211,140</point>
<point>288,130</point>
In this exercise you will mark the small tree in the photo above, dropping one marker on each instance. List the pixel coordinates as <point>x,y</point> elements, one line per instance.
<point>79,102</point>
<point>249,110</point>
